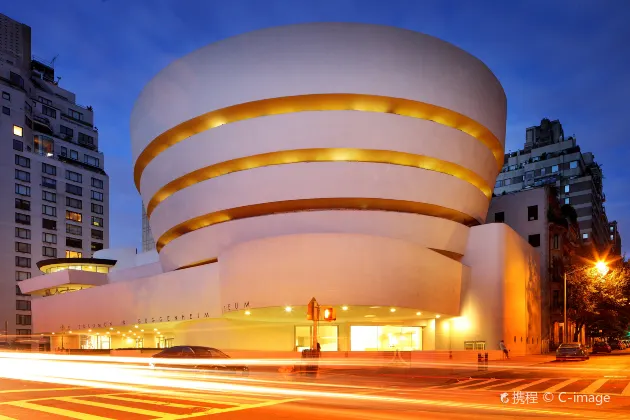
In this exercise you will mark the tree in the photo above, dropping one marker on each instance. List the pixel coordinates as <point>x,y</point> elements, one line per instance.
<point>596,302</point>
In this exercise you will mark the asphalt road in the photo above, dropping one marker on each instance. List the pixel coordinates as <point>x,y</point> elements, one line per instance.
<point>540,390</point>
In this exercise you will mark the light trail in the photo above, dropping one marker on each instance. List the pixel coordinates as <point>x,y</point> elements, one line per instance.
<point>97,372</point>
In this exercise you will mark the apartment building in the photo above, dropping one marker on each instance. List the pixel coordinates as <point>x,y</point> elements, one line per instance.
<point>615,238</point>
<point>548,158</point>
<point>539,217</point>
<point>55,188</point>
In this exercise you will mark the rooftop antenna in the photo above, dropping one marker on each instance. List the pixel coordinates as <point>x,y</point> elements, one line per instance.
<point>52,62</point>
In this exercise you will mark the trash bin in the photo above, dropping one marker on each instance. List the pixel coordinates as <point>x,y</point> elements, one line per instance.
<point>310,362</point>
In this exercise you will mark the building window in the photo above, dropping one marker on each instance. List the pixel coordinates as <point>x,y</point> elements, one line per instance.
<point>97,208</point>
<point>6,95</point>
<point>85,139</point>
<point>556,242</point>
<point>74,229</point>
<point>18,292</point>
<point>49,196</point>
<point>75,114</point>
<point>74,254</point>
<point>96,246</point>
<point>49,169</point>
<point>74,154</point>
<point>49,224</point>
<point>74,216</point>
<point>567,200</point>
<point>20,331</point>
<point>66,131</point>
<point>49,210</point>
<point>49,112</point>
<point>498,184</point>
<point>91,160</point>
<point>534,240</point>
<point>96,195</point>
<point>17,130</point>
<point>97,234</point>
<point>23,219</point>
<point>23,305</point>
<point>507,182</point>
<point>74,243</point>
<point>49,238</point>
<point>23,262</point>
<point>74,176</point>
<point>22,190</point>
<point>612,237</point>
<point>64,151</point>
<point>22,275</point>
<point>18,145</point>
<point>49,252</point>
<point>532,213</point>
<point>22,175</point>
<point>74,189</point>
<point>22,319</point>
<point>97,221</point>
<point>573,164</point>
<point>22,233</point>
<point>611,228</point>
<point>499,217</point>
<point>44,146</point>
<point>97,183</point>
<point>23,247</point>
<point>44,100</point>
<point>22,161</point>
<point>585,236</point>
<point>567,188</point>
<point>6,110</point>
<point>554,169</point>
<point>21,204</point>
<point>49,183</point>
<point>73,202</point>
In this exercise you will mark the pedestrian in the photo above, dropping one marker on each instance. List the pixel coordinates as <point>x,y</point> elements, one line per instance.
<point>504,349</point>
<point>319,348</point>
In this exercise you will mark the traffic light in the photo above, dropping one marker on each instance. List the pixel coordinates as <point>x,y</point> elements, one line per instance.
<point>329,314</point>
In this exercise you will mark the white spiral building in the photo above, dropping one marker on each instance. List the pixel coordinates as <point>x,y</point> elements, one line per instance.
<point>349,162</point>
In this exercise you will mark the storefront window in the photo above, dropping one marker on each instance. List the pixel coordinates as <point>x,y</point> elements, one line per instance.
<point>328,337</point>
<point>385,338</point>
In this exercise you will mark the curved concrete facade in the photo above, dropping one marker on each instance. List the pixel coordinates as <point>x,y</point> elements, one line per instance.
<point>306,127</point>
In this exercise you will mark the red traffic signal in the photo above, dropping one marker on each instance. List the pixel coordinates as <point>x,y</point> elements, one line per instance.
<point>329,314</point>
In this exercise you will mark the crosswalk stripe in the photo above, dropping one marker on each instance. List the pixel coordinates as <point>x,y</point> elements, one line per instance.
<point>226,410</point>
<point>527,385</point>
<point>561,385</point>
<point>68,388</point>
<point>503,383</point>
<point>201,398</point>
<point>626,390</point>
<point>157,414</point>
<point>477,383</point>
<point>59,411</point>
<point>592,388</point>
<point>145,401</point>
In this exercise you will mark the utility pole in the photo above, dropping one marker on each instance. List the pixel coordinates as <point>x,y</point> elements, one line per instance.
<point>313,314</point>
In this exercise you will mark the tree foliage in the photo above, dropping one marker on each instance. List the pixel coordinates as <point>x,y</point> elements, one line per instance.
<point>596,302</point>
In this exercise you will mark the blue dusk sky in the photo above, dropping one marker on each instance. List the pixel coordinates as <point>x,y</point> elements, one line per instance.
<point>565,60</point>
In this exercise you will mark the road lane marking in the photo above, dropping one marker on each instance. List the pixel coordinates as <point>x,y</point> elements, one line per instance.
<point>145,401</point>
<point>226,410</point>
<point>442,386</point>
<point>626,390</point>
<point>57,411</point>
<point>592,388</point>
<point>561,385</point>
<point>199,398</point>
<point>501,384</point>
<point>6,418</point>
<point>124,408</point>
<point>527,385</point>
<point>475,384</point>
<point>8,391</point>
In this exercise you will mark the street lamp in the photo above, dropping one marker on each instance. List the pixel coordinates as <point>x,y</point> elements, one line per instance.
<point>601,267</point>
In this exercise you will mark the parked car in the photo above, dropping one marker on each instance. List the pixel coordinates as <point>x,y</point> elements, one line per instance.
<point>616,345</point>
<point>571,351</point>
<point>215,358</point>
<point>601,347</point>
